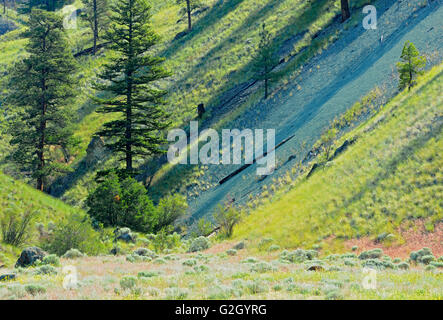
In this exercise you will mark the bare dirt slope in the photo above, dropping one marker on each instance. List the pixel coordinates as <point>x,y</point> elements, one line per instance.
<point>330,84</point>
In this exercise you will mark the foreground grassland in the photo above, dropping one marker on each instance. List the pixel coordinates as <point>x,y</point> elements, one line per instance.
<point>391,175</point>
<point>225,274</point>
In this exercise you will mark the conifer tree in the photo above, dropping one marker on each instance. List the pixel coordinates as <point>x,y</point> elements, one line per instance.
<point>265,59</point>
<point>191,5</point>
<point>96,12</point>
<point>131,78</point>
<point>345,12</point>
<point>410,66</point>
<point>41,89</point>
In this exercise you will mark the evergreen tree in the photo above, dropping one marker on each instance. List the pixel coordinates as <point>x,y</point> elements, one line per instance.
<point>411,66</point>
<point>41,86</point>
<point>345,12</point>
<point>191,5</point>
<point>96,12</point>
<point>265,59</point>
<point>131,79</point>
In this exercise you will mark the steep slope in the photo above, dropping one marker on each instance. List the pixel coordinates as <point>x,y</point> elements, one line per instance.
<point>390,177</point>
<point>326,87</point>
<point>20,197</point>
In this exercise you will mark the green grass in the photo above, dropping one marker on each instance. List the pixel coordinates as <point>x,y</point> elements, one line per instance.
<point>20,197</point>
<point>391,174</point>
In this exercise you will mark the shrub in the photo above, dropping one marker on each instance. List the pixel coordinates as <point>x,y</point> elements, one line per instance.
<point>169,210</point>
<point>299,255</point>
<point>51,259</point>
<point>163,240</point>
<point>15,227</point>
<point>262,267</point>
<point>73,254</point>
<point>354,248</point>
<point>437,264</point>
<point>34,289</point>
<point>416,255</point>
<point>274,247</point>
<point>334,295</point>
<point>377,263</point>
<point>231,252</point>
<point>227,218</point>
<point>249,260</point>
<point>74,231</point>
<point>159,261</point>
<point>176,293</point>
<point>124,204</point>
<point>148,274</point>
<point>222,292</point>
<point>256,286</point>
<point>128,282</point>
<point>46,270</point>
<point>190,262</point>
<point>199,244</point>
<point>143,252</point>
<point>203,228</point>
<point>371,254</point>
<point>403,266</point>
<point>430,268</point>
<point>426,259</point>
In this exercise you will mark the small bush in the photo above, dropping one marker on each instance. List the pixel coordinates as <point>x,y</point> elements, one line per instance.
<point>74,231</point>
<point>262,267</point>
<point>437,264</point>
<point>35,289</point>
<point>190,262</point>
<point>128,282</point>
<point>256,286</point>
<point>169,210</point>
<point>403,266</point>
<point>159,261</point>
<point>148,274</point>
<point>176,293</point>
<point>231,252</point>
<point>51,259</point>
<point>299,255</point>
<point>15,226</point>
<point>416,255</point>
<point>371,254</point>
<point>274,247</point>
<point>426,259</point>
<point>73,254</point>
<point>354,248</point>
<point>46,270</point>
<point>250,260</point>
<point>199,244</point>
<point>143,252</point>
<point>227,218</point>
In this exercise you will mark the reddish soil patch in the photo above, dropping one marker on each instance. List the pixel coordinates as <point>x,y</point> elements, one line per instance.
<point>414,239</point>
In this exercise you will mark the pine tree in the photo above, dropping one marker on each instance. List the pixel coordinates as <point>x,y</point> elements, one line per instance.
<point>96,12</point>
<point>131,80</point>
<point>41,88</point>
<point>265,59</point>
<point>411,66</point>
<point>345,12</point>
<point>191,5</point>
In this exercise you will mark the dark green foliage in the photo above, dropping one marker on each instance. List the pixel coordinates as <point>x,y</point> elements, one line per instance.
<point>265,59</point>
<point>41,88</point>
<point>410,66</point>
<point>169,210</point>
<point>26,6</point>
<point>132,80</point>
<point>417,256</point>
<point>123,204</point>
<point>371,254</point>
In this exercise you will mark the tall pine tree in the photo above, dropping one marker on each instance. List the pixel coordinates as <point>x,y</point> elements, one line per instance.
<point>41,89</point>
<point>265,59</point>
<point>131,80</point>
<point>96,12</point>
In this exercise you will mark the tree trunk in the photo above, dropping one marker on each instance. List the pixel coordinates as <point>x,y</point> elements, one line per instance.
<point>95,27</point>
<point>345,13</point>
<point>128,129</point>
<point>4,6</point>
<point>188,9</point>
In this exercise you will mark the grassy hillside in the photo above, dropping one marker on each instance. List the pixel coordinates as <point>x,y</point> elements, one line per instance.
<point>20,197</point>
<point>390,176</point>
